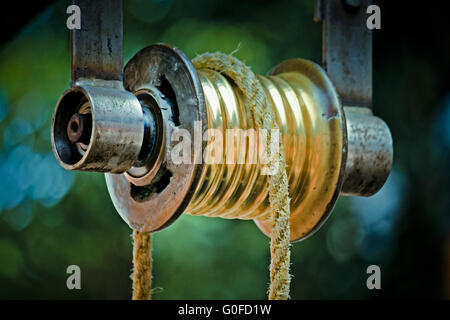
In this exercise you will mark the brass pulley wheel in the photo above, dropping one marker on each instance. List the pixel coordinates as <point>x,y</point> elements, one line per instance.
<point>313,132</point>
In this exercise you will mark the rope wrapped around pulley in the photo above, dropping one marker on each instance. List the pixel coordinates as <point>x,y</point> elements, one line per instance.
<point>264,118</point>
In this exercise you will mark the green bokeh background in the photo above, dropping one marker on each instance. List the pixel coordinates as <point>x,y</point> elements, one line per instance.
<point>50,218</point>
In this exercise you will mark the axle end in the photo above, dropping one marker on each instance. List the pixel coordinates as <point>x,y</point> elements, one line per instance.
<point>98,127</point>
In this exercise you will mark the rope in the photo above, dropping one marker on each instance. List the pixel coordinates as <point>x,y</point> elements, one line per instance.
<point>263,115</point>
<point>142,265</point>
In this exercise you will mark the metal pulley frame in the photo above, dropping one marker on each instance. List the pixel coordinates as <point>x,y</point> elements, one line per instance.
<point>347,58</point>
<point>121,124</point>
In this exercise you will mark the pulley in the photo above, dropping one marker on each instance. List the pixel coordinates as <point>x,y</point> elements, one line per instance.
<point>327,147</point>
<point>172,138</point>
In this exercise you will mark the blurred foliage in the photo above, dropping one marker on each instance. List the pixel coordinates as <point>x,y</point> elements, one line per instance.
<point>51,218</point>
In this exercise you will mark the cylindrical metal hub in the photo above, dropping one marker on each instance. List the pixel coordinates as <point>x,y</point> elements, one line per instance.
<point>370,153</point>
<point>98,127</point>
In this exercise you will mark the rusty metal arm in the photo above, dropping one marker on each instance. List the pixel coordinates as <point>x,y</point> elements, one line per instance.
<point>97,48</point>
<point>347,58</point>
<point>98,125</point>
<point>347,49</point>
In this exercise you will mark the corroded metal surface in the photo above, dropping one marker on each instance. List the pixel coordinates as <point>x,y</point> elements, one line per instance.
<point>79,128</point>
<point>370,153</point>
<point>347,58</point>
<point>117,128</point>
<point>163,69</point>
<point>98,125</point>
<point>97,48</point>
<point>154,147</point>
<point>347,49</point>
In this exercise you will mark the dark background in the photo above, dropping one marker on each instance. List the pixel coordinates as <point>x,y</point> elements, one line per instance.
<point>50,218</point>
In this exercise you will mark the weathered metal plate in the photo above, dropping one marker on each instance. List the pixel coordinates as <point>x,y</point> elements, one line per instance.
<point>347,49</point>
<point>155,206</point>
<point>97,48</point>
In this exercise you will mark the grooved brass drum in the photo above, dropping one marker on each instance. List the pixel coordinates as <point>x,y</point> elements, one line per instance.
<point>315,145</point>
<point>313,133</point>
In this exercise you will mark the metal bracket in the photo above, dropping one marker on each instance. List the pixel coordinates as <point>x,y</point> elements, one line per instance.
<point>97,48</point>
<point>347,48</point>
<point>98,125</point>
<point>347,58</point>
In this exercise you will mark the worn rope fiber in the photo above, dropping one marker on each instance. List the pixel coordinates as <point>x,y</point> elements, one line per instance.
<point>263,116</point>
<point>142,265</point>
<point>262,113</point>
